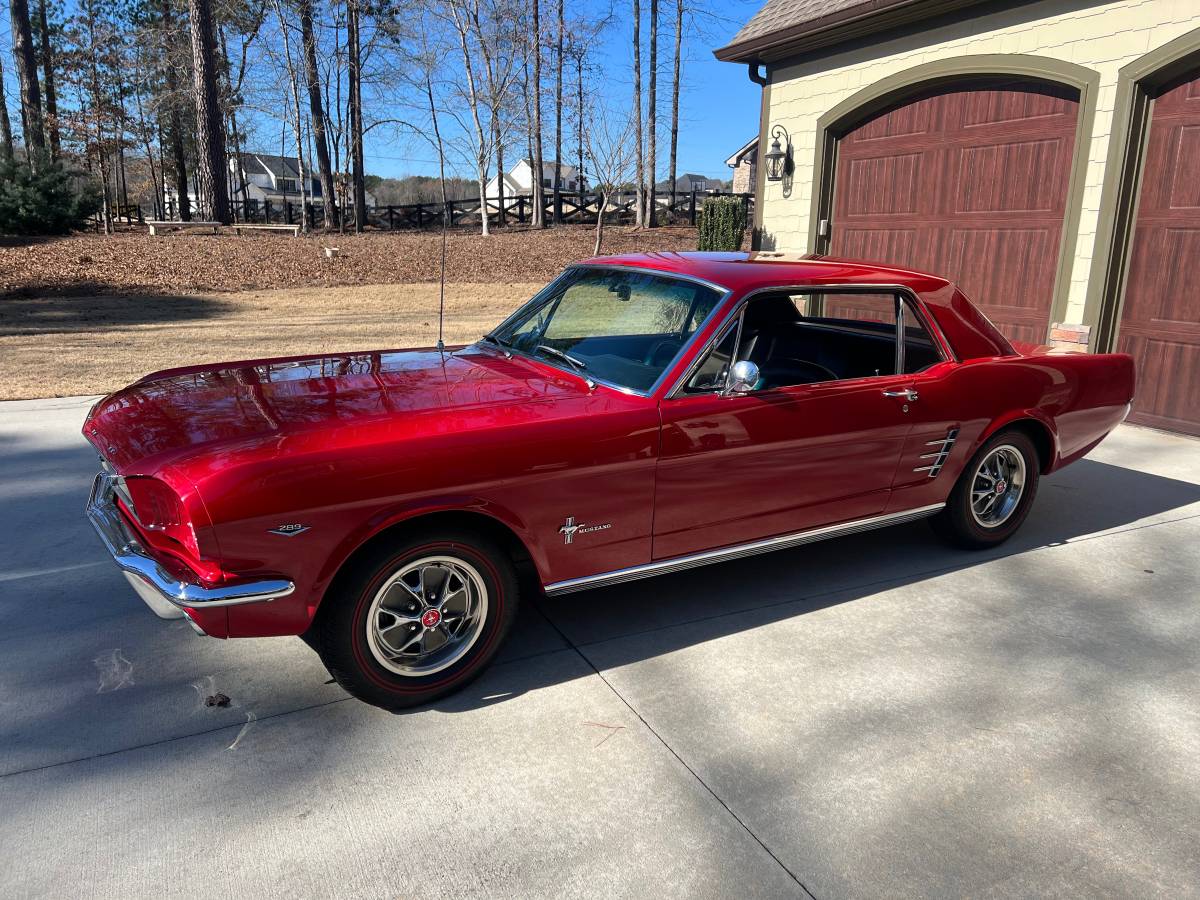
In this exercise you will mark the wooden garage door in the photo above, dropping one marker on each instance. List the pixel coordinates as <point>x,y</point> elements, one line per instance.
<point>1160,321</point>
<point>969,182</point>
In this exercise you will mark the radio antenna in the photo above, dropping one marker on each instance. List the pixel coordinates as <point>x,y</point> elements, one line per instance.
<point>441,152</point>
<point>441,344</point>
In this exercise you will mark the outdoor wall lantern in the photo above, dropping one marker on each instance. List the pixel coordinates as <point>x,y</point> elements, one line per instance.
<point>779,158</point>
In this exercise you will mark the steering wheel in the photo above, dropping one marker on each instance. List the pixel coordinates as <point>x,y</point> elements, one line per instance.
<point>651,357</point>
<point>826,373</point>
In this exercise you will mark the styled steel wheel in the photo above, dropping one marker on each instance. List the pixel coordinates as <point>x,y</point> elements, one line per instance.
<point>427,616</point>
<point>998,485</point>
<point>417,614</point>
<point>993,493</point>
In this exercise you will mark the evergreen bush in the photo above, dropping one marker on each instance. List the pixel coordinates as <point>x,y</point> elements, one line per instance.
<point>50,200</point>
<point>722,223</point>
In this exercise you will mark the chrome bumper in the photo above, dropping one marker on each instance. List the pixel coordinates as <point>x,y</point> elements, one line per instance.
<point>162,591</point>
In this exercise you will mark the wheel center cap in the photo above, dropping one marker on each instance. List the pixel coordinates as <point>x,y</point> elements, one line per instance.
<point>430,618</point>
<point>1001,486</point>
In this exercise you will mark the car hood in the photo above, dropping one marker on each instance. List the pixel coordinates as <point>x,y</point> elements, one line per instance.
<point>180,412</point>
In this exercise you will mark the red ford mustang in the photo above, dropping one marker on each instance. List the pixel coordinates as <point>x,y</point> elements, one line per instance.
<point>641,415</point>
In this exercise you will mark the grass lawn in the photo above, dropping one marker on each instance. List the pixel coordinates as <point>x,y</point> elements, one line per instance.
<point>93,344</point>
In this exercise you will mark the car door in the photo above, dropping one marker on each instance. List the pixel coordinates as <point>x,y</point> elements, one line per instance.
<point>734,469</point>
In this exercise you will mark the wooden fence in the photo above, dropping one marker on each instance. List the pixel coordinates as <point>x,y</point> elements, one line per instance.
<point>675,208</point>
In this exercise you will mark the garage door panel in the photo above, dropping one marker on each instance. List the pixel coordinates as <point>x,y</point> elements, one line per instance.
<point>882,185</point>
<point>1009,177</point>
<point>980,172</point>
<point>901,246</point>
<point>1016,105</point>
<point>1160,316</point>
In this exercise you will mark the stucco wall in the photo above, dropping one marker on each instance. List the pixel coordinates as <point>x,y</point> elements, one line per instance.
<point>1100,36</point>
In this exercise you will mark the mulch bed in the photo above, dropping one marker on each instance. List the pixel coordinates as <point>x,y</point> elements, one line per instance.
<point>182,262</point>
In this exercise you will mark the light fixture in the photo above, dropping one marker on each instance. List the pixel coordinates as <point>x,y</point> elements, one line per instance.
<point>779,157</point>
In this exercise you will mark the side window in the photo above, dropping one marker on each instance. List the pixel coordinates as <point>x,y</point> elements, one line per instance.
<point>711,374</point>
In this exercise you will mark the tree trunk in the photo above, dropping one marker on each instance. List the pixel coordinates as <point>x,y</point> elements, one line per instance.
<point>539,195</point>
<point>652,117</point>
<point>49,95</point>
<point>31,96</point>
<point>298,122</point>
<point>212,173</point>
<point>358,175</point>
<point>6,136</point>
<point>558,109</point>
<point>174,118</point>
<point>317,110</point>
<point>481,138</point>
<point>640,200</point>
<point>675,96</point>
<point>579,123</point>
<point>600,223</point>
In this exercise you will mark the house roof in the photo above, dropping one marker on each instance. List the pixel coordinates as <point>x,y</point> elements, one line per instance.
<point>270,164</point>
<point>748,148</point>
<point>784,28</point>
<point>548,166</point>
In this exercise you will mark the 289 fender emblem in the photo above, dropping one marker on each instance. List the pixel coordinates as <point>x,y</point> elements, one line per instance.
<point>290,530</point>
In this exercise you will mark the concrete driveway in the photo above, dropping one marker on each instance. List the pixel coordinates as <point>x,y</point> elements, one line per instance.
<point>875,716</point>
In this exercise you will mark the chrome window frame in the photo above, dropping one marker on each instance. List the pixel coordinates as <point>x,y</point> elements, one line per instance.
<point>723,292</point>
<point>905,294</point>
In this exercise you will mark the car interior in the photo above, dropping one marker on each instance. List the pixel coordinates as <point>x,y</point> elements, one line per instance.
<point>791,348</point>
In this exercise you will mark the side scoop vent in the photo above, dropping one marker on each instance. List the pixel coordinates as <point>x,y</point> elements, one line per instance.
<point>938,456</point>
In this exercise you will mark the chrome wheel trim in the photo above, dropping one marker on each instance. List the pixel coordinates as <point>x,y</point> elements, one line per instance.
<point>427,615</point>
<point>998,485</point>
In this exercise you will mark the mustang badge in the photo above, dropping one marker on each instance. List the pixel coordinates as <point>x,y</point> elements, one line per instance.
<point>570,528</point>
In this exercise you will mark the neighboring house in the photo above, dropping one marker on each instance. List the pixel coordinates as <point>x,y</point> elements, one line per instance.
<point>518,181</point>
<point>1044,154</point>
<point>265,177</point>
<point>744,164</point>
<point>687,183</point>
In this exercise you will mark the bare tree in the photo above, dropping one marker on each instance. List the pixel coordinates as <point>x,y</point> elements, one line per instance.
<point>611,150</point>
<point>462,12</point>
<point>49,95</point>
<point>675,94</point>
<point>174,125</point>
<point>558,113</point>
<point>297,122</point>
<point>317,112</point>
<point>358,172</point>
<point>640,200</point>
<point>211,172</point>
<point>27,75</point>
<point>539,195</point>
<point>652,117</point>
<point>6,135</point>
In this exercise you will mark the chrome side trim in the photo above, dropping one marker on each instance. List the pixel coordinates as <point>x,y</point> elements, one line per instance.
<point>783,542</point>
<point>939,457</point>
<point>165,594</point>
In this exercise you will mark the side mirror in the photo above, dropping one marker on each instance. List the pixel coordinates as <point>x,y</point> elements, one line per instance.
<point>742,378</point>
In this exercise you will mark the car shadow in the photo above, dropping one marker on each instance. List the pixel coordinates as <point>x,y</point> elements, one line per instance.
<point>679,610</point>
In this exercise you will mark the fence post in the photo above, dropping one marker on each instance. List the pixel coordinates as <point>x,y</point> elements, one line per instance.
<point>391,218</point>
<point>692,209</point>
<point>448,213</point>
<point>521,208</point>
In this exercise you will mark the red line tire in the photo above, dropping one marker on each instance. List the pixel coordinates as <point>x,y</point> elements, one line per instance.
<point>341,636</point>
<point>965,520</point>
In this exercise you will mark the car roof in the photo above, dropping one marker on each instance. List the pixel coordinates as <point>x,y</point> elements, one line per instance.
<point>741,272</point>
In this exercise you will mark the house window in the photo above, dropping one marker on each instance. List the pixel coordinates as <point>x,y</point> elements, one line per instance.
<point>287,185</point>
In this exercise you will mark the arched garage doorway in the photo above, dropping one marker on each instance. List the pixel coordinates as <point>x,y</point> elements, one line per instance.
<point>965,170</point>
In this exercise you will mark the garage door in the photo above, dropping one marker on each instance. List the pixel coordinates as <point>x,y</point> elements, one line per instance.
<point>969,182</point>
<point>1160,321</point>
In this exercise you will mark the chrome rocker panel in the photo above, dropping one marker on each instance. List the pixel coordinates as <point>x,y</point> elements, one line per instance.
<point>165,594</point>
<point>679,563</point>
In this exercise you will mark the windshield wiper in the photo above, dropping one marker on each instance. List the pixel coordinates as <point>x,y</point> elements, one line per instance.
<point>499,342</point>
<point>577,364</point>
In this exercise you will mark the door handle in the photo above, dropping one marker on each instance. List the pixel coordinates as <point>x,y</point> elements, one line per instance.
<point>908,394</point>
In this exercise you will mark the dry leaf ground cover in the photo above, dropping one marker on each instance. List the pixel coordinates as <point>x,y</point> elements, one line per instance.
<point>88,314</point>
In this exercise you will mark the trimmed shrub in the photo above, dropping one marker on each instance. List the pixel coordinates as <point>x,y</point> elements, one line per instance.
<point>49,201</point>
<point>722,223</point>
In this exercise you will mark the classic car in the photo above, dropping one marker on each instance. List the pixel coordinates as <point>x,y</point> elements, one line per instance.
<point>641,415</point>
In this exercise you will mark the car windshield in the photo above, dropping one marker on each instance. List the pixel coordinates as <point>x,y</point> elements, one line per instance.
<point>619,327</point>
